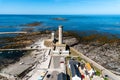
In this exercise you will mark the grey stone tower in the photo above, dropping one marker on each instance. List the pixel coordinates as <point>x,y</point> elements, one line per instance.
<point>60,34</point>
<point>53,36</point>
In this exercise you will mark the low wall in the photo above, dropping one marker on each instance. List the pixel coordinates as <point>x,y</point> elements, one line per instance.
<point>104,71</point>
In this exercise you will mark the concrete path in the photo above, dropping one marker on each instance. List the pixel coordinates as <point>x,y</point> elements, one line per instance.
<point>13,32</point>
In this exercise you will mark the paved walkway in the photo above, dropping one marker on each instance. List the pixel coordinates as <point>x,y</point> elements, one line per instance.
<point>56,61</point>
<point>13,32</point>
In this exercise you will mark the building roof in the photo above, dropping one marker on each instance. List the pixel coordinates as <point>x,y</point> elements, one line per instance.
<point>74,68</point>
<point>60,45</point>
<point>88,67</point>
<point>61,76</point>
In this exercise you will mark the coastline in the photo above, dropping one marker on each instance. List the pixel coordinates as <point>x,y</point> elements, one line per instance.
<point>84,48</point>
<point>18,41</point>
<point>26,62</point>
<point>105,53</point>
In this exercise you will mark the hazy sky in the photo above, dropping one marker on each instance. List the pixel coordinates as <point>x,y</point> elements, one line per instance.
<point>59,6</point>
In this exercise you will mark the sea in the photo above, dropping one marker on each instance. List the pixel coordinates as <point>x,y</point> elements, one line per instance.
<point>99,23</point>
<point>89,23</point>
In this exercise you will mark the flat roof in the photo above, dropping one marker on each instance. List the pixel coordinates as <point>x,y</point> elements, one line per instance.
<point>60,45</point>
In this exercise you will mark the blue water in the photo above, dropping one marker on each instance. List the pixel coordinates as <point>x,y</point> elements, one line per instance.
<point>100,23</point>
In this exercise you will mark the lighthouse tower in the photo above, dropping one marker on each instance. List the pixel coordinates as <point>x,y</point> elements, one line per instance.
<point>53,36</point>
<point>60,34</point>
<point>60,48</point>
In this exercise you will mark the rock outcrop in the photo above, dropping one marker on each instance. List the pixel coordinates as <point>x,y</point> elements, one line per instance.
<point>107,55</point>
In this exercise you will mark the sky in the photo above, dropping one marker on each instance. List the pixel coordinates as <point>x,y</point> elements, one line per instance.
<point>60,7</point>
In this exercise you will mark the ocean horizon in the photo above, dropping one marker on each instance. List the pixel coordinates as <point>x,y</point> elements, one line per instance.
<point>99,23</point>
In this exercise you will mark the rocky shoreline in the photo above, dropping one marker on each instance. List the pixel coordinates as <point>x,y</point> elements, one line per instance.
<point>60,19</point>
<point>20,41</point>
<point>107,55</point>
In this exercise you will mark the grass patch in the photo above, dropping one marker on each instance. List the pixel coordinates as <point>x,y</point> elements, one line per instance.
<point>105,78</point>
<point>98,73</point>
<point>68,57</point>
<point>73,53</point>
<point>79,58</point>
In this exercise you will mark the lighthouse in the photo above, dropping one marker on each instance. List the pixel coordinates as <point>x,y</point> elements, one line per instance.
<point>60,47</point>
<point>53,36</point>
<point>60,34</point>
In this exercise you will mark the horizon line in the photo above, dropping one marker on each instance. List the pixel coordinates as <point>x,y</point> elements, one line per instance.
<point>56,14</point>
